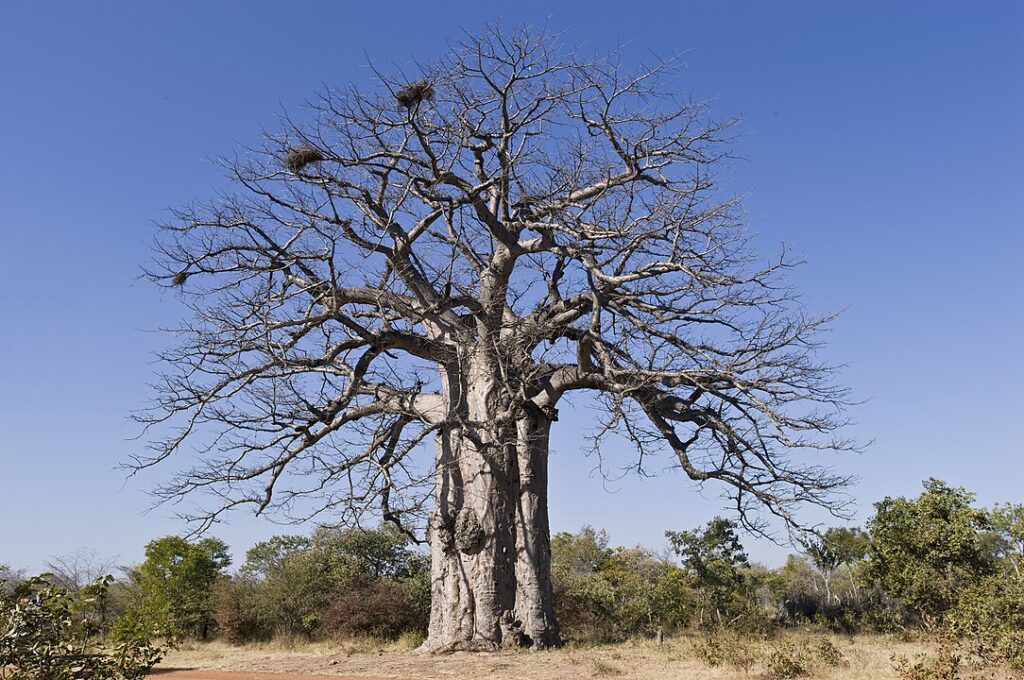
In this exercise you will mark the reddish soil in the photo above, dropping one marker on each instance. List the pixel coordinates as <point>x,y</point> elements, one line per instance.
<point>190,674</point>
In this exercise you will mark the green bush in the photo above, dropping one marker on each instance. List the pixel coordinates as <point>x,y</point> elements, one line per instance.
<point>44,636</point>
<point>607,595</point>
<point>992,614</point>
<point>786,661</point>
<point>722,647</point>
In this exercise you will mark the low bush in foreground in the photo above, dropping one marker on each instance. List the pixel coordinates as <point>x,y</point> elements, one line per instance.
<point>44,635</point>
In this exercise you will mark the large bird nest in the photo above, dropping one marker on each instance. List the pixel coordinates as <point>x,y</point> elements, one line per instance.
<point>414,93</point>
<point>300,156</point>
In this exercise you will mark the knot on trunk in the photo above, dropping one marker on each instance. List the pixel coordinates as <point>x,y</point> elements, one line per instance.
<point>468,531</point>
<point>442,533</point>
<point>512,633</point>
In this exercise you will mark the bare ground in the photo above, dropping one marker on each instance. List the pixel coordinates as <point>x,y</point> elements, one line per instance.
<point>863,658</point>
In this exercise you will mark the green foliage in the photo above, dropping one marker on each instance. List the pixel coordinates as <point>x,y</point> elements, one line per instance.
<point>1007,537</point>
<point>838,546</point>
<point>171,591</point>
<point>934,560</point>
<point>604,594</point>
<point>336,582</point>
<point>716,561</point>
<point>786,661</point>
<point>991,612</point>
<point>267,557</point>
<point>43,636</point>
<point>925,552</point>
<point>829,655</point>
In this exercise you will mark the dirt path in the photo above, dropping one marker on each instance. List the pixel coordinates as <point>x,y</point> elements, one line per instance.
<point>193,674</point>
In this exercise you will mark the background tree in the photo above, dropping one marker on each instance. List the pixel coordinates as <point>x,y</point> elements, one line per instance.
<point>267,557</point>
<point>927,551</point>
<point>444,259</point>
<point>78,572</point>
<point>838,547</point>
<point>79,569</point>
<point>172,588</point>
<point>715,559</point>
<point>9,578</point>
<point>1008,536</point>
<point>604,594</point>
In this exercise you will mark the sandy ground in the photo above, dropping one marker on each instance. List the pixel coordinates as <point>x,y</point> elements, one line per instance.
<point>864,658</point>
<point>184,674</point>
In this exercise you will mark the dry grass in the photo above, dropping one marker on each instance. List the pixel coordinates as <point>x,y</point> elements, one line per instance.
<point>806,654</point>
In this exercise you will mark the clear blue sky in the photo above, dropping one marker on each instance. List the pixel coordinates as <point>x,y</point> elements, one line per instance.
<point>884,141</point>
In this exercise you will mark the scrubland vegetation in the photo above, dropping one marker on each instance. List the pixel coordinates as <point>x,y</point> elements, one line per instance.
<point>935,571</point>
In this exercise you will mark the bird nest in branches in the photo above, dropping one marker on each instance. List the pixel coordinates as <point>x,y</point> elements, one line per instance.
<point>414,93</point>
<point>300,156</point>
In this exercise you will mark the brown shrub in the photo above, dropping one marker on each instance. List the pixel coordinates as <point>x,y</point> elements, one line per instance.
<point>235,619</point>
<point>383,609</point>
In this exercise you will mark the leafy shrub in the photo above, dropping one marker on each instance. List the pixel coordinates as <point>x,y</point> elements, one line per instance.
<point>710,650</point>
<point>944,664</point>
<point>715,560</point>
<point>992,614</point>
<point>609,595</point>
<point>926,551</point>
<point>829,654</point>
<point>722,647</point>
<point>786,661</point>
<point>42,637</point>
<point>602,668</point>
<point>289,584</point>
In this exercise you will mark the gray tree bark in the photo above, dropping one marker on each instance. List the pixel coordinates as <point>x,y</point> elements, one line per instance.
<point>489,532</point>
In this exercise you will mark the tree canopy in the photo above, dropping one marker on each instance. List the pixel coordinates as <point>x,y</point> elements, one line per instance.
<point>446,256</point>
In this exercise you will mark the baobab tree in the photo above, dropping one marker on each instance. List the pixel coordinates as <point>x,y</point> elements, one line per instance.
<point>442,259</point>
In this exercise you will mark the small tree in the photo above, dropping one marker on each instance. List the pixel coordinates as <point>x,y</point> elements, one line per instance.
<point>173,587</point>
<point>838,547</point>
<point>992,610</point>
<point>927,551</point>
<point>715,560</point>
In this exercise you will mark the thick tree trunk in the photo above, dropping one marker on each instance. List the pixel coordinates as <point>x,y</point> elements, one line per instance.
<point>534,598</point>
<point>489,536</point>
